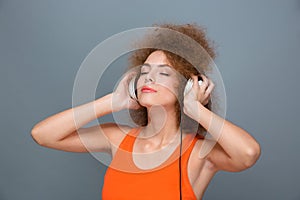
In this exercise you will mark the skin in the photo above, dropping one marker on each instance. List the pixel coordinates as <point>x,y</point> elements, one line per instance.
<point>235,150</point>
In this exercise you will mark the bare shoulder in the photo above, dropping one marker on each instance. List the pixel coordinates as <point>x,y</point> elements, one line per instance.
<point>115,133</point>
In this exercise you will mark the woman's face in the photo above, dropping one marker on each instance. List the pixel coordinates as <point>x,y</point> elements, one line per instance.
<point>158,81</point>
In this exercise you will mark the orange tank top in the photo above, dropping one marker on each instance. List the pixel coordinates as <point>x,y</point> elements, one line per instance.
<point>125,181</point>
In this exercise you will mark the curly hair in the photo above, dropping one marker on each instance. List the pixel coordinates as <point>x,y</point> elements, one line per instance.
<point>168,40</point>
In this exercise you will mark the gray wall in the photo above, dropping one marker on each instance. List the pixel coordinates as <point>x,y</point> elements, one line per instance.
<point>43,43</point>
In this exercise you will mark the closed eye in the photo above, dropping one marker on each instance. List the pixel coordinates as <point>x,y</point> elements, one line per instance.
<point>165,74</point>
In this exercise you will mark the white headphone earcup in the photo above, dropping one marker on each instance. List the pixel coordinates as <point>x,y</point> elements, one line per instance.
<point>131,88</point>
<point>200,82</point>
<point>189,86</point>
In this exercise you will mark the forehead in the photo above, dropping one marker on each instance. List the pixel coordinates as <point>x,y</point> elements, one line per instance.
<point>157,58</point>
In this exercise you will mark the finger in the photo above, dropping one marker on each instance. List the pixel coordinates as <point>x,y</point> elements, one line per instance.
<point>204,84</point>
<point>130,75</point>
<point>210,87</point>
<point>206,102</point>
<point>195,82</point>
<point>206,99</point>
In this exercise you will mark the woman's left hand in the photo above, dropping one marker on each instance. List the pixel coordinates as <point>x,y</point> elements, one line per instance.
<point>198,93</point>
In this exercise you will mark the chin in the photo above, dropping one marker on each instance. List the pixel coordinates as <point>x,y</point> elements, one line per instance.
<point>156,101</point>
<point>148,102</point>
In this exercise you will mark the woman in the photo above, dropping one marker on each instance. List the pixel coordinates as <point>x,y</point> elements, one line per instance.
<point>145,158</point>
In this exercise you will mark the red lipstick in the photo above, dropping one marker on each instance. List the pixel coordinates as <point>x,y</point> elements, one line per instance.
<point>147,89</point>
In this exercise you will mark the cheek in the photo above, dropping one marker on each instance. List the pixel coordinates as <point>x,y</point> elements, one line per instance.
<point>169,91</point>
<point>171,86</point>
<point>140,83</point>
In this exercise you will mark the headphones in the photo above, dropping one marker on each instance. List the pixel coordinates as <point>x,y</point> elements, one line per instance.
<point>133,90</point>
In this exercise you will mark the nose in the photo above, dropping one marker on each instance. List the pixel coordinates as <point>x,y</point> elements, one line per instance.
<point>150,77</point>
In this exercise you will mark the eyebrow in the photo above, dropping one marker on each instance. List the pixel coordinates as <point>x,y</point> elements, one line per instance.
<point>163,65</point>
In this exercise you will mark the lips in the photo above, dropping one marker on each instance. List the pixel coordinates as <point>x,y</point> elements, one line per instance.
<point>147,89</point>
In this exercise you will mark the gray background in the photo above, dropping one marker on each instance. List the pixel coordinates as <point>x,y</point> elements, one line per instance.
<point>43,43</point>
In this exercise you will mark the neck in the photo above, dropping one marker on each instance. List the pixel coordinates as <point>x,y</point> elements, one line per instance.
<point>162,125</point>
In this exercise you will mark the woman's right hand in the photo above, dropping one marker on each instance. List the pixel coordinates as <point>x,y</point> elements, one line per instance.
<point>121,98</point>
